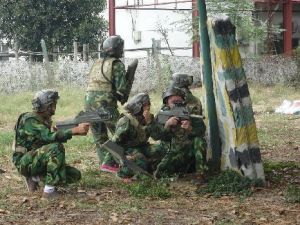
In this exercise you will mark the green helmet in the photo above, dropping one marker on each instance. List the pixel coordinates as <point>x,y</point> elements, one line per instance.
<point>113,46</point>
<point>136,103</point>
<point>172,91</point>
<point>182,80</point>
<point>43,99</point>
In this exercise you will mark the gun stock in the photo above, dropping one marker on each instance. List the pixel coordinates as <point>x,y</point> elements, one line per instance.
<point>118,153</point>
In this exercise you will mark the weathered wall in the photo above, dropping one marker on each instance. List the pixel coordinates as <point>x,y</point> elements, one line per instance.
<point>152,73</point>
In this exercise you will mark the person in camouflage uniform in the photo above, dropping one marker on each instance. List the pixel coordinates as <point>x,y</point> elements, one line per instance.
<point>181,142</point>
<point>184,81</point>
<point>38,151</point>
<point>132,132</point>
<point>107,85</point>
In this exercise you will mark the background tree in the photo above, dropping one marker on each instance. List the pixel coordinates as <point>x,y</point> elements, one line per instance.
<point>58,22</point>
<point>240,12</point>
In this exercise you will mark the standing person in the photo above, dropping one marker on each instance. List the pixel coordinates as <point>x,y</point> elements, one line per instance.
<point>38,151</point>
<point>182,141</point>
<point>107,85</point>
<point>132,133</point>
<point>184,81</point>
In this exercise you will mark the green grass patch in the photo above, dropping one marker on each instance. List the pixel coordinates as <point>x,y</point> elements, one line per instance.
<point>91,179</point>
<point>292,194</point>
<point>275,172</point>
<point>230,182</point>
<point>271,166</point>
<point>148,187</point>
<point>6,138</point>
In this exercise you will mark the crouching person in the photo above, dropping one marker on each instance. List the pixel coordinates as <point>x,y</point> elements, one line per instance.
<point>132,133</point>
<point>182,144</point>
<point>38,150</point>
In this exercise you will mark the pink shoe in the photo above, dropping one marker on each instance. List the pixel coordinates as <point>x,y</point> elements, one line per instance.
<point>110,169</point>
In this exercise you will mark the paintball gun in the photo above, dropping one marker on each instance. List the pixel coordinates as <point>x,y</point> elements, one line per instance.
<point>179,110</point>
<point>99,115</point>
<point>118,153</point>
<point>129,78</point>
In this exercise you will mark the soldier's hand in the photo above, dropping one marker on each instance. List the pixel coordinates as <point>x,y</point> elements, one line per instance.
<point>186,124</point>
<point>81,129</point>
<point>148,116</point>
<point>172,121</point>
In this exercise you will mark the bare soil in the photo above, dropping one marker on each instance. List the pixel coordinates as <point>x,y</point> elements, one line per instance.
<point>112,204</point>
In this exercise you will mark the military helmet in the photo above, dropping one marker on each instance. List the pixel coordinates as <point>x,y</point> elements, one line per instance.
<point>136,103</point>
<point>182,80</point>
<point>113,46</point>
<point>172,91</point>
<point>43,99</point>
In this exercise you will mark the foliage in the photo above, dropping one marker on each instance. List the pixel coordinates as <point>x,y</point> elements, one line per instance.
<point>230,182</point>
<point>59,23</point>
<point>146,187</point>
<point>293,194</point>
<point>240,13</point>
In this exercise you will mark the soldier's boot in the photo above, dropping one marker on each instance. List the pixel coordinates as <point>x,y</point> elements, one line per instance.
<point>31,185</point>
<point>51,195</point>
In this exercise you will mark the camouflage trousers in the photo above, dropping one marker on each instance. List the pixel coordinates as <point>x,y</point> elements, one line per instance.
<point>93,101</point>
<point>181,159</point>
<point>47,162</point>
<point>138,156</point>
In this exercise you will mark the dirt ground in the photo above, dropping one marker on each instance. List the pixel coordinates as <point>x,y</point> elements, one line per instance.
<point>113,205</point>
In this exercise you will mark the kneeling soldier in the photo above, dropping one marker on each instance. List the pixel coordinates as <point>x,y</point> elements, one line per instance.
<point>38,151</point>
<point>132,133</point>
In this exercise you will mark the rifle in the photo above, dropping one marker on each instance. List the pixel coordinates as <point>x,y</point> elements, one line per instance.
<point>99,115</point>
<point>179,110</point>
<point>118,153</point>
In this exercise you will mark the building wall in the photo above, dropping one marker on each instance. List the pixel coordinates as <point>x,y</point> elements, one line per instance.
<point>146,22</point>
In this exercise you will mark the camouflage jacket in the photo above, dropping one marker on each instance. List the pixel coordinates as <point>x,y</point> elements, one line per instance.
<point>130,132</point>
<point>33,132</point>
<point>177,137</point>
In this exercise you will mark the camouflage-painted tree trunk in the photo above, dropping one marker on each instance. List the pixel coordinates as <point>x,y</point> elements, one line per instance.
<point>237,128</point>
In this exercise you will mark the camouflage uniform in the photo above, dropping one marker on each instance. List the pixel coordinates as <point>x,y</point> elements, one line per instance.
<point>192,102</point>
<point>180,151</point>
<point>39,151</point>
<point>183,81</point>
<point>133,136</point>
<point>102,91</point>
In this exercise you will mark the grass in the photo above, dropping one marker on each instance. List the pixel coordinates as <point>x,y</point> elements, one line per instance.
<point>230,182</point>
<point>149,188</point>
<point>292,194</point>
<point>275,132</point>
<point>276,172</point>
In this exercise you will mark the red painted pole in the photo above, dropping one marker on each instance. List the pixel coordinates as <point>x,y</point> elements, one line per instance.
<point>112,18</point>
<point>287,24</point>
<point>196,44</point>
